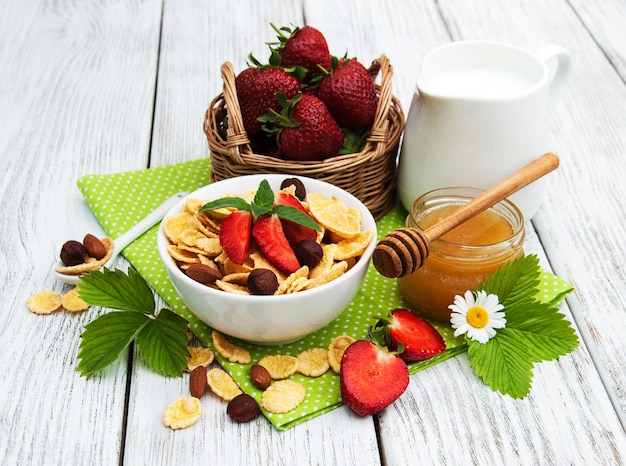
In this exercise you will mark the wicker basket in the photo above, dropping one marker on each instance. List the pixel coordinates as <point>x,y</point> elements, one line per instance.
<point>370,175</point>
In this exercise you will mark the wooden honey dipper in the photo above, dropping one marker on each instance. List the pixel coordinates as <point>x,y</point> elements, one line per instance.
<point>404,250</point>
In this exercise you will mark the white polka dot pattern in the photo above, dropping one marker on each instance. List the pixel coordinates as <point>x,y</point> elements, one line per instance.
<point>120,200</point>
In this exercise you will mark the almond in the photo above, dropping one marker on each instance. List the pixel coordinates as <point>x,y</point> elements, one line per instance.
<point>260,377</point>
<point>203,273</point>
<point>243,408</point>
<point>95,247</point>
<point>198,382</point>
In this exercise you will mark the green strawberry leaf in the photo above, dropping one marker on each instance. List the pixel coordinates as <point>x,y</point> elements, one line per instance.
<point>161,338</point>
<point>116,290</point>
<point>502,364</point>
<point>104,338</point>
<point>534,332</point>
<point>162,342</point>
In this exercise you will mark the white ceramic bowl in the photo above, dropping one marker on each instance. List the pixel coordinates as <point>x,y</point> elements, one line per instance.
<point>269,320</point>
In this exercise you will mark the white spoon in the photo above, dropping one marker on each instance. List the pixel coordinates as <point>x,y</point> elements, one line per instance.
<point>131,235</point>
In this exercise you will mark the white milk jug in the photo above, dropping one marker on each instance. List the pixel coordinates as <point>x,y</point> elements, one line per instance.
<point>480,112</point>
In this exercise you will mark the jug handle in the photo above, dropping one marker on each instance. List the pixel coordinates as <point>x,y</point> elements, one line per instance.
<point>564,66</point>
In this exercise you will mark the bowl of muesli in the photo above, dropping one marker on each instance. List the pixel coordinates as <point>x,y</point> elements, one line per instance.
<point>267,259</point>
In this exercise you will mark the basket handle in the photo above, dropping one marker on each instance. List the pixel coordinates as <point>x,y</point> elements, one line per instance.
<point>236,137</point>
<point>380,127</point>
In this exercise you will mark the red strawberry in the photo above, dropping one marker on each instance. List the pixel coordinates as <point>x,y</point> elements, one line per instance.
<point>350,95</point>
<point>256,93</point>
<point>305,47</point>
<point>418,337</point>
<point>268,233</point>
<point>294,231</point>
<point>235,235</point>
<point>309,130</point>
<point>371,378</point>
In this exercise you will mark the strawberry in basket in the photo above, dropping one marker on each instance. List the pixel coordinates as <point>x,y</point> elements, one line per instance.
<point>256,91</point>
<point>305,47</point>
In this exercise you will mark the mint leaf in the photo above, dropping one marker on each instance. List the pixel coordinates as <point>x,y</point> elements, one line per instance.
<point>106,337</point>
<point>236,202</point>
<point>290,213</point>
<point>116,290</point>
<point>162,342</point>
<point>263,199</point>
<point>502,364</point>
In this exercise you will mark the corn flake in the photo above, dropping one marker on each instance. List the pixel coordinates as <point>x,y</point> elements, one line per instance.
<point>229,351</point>
<point>199,356</point>
<point>72,302</point>
<point>337,347</point>
<point>313,362</point>
<point>283,396</point>
<point>280,366</point>
<point>353,247</point>
<point>45,302</point>
<point>222,384</point>
<point>182,413</point>
<point>334,215</point>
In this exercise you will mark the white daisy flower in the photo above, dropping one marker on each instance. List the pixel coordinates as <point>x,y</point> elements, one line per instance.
<point>477,315</point>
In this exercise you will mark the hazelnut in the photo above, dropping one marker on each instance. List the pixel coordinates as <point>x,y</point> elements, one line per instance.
<point>260,376</point>
<point>203,273</point>
<point>243,408</point>
<point>95,247</point>
<point>300,189</point>
<point>262,282</point>
<point>309,252</point>
<point>74,253</point>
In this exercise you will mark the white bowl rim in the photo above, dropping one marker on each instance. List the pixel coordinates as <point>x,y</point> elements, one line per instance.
<point>348,198</point>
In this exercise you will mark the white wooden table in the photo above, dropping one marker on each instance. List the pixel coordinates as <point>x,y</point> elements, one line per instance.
<point>116,85</point>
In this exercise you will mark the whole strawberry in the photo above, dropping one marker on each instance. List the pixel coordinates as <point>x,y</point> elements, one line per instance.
<point>306,129</point>
<point>256,93</point>
<point>350,95</point>
<point>371,378</point>
<point>305,47</point>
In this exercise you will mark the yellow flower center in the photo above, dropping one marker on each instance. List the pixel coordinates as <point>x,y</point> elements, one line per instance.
<point>477,316</point>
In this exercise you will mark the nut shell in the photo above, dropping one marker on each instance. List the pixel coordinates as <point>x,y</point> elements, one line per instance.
<point>262,282</point>
<point>95,247</point>
<point>203,273</point>
<point>74,253</point>
<point>309,253</point>
<point>198,382</point>
<point>243,408</point>
<point>260,377</point>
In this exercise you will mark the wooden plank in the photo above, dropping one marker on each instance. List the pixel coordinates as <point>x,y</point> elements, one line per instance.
<point>197,38</point>
<point>76,92</point>
<point>524,431</point>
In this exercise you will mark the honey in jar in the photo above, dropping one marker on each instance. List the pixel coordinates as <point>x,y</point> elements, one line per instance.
<point>463,257</point>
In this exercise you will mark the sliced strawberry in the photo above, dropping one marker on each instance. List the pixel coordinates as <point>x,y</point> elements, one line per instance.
<point>269,236</point>
<point>235,235</point>
<point>371,378</point>
<point>420,339</point>
<point>294,231</point>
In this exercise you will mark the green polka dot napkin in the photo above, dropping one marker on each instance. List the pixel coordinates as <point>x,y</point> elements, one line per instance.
<point>120,200</point>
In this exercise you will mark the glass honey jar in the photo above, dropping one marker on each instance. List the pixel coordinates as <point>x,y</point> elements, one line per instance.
<point>465,256</point>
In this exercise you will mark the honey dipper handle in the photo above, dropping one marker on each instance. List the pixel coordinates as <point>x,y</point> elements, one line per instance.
<point>518,180</point>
